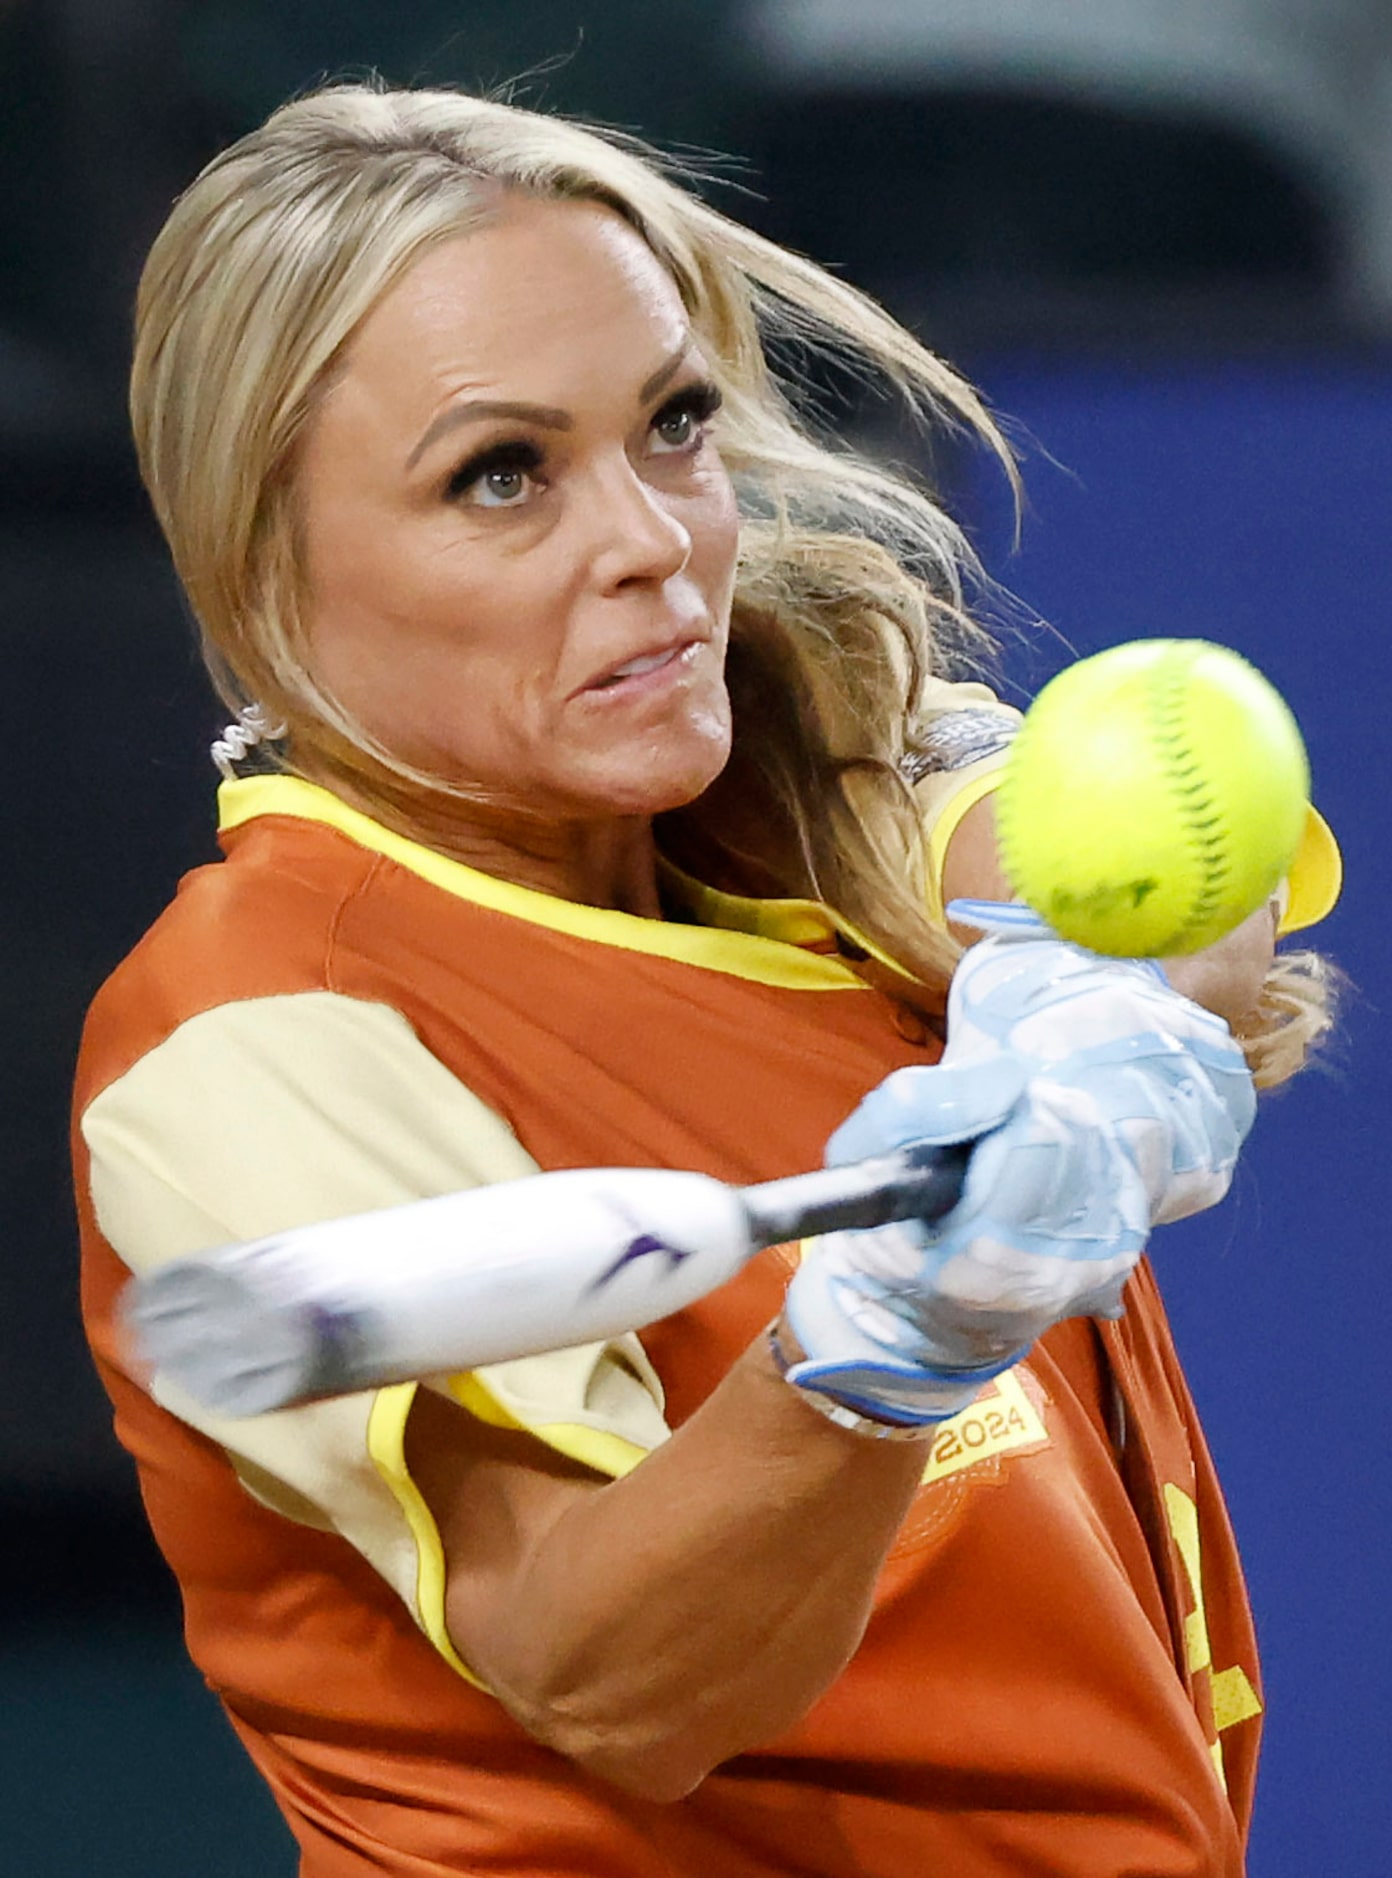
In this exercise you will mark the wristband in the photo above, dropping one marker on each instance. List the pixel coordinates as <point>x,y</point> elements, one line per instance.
<point>839,1412</point>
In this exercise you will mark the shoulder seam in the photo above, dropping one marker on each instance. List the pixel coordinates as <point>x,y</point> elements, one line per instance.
<point>340,912</point>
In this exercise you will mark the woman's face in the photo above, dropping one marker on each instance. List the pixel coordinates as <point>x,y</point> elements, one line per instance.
<point>520,539</point>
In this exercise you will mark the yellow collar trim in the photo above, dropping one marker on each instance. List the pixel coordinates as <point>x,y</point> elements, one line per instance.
<point>793,922</point>
<point>765,945</point>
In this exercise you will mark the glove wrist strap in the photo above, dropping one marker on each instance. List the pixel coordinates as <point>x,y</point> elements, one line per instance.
<point>786,1355</point>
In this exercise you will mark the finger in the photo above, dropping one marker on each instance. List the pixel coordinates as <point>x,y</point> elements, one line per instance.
<point>941,1104</point>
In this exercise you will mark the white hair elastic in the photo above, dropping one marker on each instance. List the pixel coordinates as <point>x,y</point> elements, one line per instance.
<point>250,728</point>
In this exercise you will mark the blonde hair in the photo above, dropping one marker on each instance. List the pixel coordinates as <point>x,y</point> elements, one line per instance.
<point>1295,1014</point>
<point>852,581</point>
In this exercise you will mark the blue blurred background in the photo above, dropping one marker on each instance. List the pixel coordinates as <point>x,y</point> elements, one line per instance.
<point>1159,233</point>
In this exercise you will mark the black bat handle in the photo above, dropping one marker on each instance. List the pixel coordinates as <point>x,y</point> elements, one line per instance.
<point>914,1183</point>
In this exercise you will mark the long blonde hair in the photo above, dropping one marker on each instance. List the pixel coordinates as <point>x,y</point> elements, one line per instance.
<point>853,583</point>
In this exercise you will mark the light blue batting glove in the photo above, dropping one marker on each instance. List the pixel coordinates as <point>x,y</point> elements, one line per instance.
<point>1103,1102</point>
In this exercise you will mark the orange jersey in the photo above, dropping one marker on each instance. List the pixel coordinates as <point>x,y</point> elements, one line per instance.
<point>1059,1675</point>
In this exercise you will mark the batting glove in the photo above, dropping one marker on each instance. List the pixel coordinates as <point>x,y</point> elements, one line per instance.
<point>1102,1102</point>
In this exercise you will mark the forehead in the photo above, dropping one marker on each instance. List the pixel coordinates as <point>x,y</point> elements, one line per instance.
<point>540,291</point>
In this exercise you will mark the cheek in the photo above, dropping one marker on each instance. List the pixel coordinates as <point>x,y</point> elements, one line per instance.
<point>394,608</point>
<point>715,544</point>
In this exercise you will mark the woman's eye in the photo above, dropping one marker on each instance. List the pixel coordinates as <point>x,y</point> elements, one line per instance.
<point>676,428</point>
<point>499,479</point>
<point>681,424</point>
<point>497,488</point>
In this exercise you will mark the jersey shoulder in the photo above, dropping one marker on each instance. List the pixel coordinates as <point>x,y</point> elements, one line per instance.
<point>260,923</point>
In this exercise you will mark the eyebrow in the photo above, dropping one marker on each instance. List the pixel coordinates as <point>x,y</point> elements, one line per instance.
<point>480,410</point>
<point>547,416</point>
<point>664,373</point>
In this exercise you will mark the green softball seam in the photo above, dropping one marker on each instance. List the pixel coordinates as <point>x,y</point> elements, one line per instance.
<point>1202,822</point>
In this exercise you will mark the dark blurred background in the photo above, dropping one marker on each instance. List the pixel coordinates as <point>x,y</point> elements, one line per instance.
<point>1159,233</point>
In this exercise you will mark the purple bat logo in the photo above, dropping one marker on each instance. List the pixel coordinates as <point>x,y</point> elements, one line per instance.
<point>640,1248</point>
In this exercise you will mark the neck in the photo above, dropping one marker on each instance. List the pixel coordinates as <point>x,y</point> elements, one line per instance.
<point>609,862</point>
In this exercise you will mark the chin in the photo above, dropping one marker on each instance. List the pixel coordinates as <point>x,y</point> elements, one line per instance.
<point>656,795</point>
<point>665,778</point>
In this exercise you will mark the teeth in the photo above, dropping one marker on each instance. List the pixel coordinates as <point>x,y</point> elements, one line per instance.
<point>636,666</point>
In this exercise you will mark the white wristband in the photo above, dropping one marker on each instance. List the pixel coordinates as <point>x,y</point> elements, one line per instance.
<point>838,1412</point>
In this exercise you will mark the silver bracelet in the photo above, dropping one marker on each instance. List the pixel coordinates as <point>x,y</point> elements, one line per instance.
<point>840,1412</point>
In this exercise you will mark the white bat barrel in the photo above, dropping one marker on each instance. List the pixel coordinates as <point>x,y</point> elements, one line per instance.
<point>438,1285</point>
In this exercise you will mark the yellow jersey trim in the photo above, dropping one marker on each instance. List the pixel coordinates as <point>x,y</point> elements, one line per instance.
<point>949,820</point>
<point>386,1445</point>
<point>1183,1516</point>
<point>598,1448</point>
<point>607,1453</point>
<point>808,923</point>
<point>766,957</point>
<point>1234,1698</point>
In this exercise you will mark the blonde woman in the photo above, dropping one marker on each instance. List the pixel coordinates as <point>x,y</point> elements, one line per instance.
<point>619,752</point>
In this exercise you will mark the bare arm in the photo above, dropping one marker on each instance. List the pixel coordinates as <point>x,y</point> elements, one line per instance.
<point>651,1627</point>
<point>1225,978</point>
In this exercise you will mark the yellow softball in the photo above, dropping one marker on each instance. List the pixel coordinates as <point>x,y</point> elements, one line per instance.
<point>1154,797</point>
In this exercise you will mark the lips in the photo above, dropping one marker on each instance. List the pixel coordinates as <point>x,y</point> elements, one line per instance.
<point>639,664</point>
<point>648,662</point>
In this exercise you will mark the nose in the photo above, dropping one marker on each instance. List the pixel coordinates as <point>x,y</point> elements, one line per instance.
<point>635,537</point>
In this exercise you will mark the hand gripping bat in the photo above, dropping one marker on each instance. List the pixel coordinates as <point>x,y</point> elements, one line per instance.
<point>490,1274</point>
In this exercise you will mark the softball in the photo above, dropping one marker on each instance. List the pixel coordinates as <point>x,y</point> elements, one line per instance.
<point>1154,797</point>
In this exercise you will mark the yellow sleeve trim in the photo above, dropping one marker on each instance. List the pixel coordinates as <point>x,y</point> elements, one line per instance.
<point>600,1448</point>
<point>949,820</point>
<point>470,1393</point>
<point>386,1443</point>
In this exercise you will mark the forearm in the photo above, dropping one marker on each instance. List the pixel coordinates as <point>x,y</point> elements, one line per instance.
<point>652,1627</point>
<point>698,1607</point>
<point>1225,978</point>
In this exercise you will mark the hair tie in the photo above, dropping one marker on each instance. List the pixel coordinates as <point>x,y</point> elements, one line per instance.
<point>250,728</point>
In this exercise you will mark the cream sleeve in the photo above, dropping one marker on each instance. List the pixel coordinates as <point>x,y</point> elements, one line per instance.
<point>962,734</point>
<point>279,1112</point>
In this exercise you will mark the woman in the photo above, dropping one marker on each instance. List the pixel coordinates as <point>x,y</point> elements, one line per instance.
<point>619,785</point>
